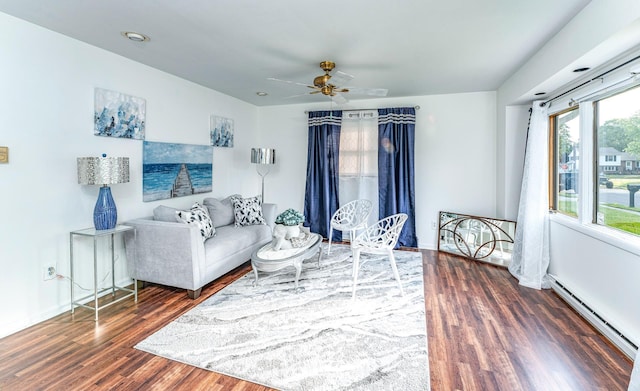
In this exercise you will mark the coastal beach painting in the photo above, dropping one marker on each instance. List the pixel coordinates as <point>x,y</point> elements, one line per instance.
<point>175,170</point>
<point>118,115</point>
<point>221,131</point>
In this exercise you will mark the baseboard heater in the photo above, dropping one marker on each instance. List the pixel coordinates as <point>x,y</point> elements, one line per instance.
<point>606,328</point>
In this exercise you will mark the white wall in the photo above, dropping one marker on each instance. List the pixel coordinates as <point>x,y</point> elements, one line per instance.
<point>47,82</point>
<point>455,154</point>
<point>591,265</point>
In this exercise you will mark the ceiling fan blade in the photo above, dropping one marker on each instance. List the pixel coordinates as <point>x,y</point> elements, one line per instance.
<point>295,96</point>
<point>368,91</point>
<point>338,98</point>
<point>340,78</point>
<point>289,82</point>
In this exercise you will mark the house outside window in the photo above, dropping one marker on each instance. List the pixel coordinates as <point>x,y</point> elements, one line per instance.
<point>613,169</point>
<point>618,134</point>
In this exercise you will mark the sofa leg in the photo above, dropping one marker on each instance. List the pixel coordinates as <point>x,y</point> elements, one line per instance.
<point>194,294</point>
<point>141,284</point>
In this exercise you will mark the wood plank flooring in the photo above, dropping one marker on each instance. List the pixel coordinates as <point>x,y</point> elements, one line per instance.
<point>485,332</point>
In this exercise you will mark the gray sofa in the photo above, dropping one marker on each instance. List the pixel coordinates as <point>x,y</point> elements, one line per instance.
<point>167,252</point>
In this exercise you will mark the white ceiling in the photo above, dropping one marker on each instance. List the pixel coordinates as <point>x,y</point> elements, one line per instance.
<point>410,47</point>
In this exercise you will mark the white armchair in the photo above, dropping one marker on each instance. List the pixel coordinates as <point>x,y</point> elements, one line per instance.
<point>379,238</point>
<point>349,218</point>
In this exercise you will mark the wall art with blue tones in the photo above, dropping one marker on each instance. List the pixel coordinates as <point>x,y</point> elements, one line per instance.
<point>175,170</point>
<point>119,115</point>
<point>221,131</point>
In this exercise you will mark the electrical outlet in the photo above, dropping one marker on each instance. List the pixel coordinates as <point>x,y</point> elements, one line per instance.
<point>49,272</point>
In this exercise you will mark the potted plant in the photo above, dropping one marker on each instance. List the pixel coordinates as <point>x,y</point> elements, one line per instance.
<point>290,217</point>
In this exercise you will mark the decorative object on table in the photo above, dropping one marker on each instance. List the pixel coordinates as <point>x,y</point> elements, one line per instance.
<point>290,217</point>
<point>288,231</point>
<point>4,154</point>
<point>174,170</point>
<point>263,157</point>
<point>311,339</point>
<point>350,217</point>
<point>221,131</point>
<point>103,171</point>
<point>477,237</point>
<point>119,115</point>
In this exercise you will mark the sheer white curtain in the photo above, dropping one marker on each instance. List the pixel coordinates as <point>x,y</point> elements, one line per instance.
<point>530,258</point>
<point>634,383</point>
<point>358,178</point>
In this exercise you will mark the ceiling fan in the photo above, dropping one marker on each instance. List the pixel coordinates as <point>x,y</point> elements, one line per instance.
<point>333,85</point>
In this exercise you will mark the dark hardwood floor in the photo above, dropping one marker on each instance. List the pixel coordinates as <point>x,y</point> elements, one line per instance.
<point>485,332</point>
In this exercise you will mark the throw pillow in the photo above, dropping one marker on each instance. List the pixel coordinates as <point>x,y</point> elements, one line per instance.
<point>199,217</point>
<point>248,211</point>
<point>221,211</point>
<point>165,213</point>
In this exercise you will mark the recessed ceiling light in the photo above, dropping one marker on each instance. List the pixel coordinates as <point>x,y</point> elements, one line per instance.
<point>261,93</point>
<point>136,37</point>
<point>540,93</point>
<point>577,70</point>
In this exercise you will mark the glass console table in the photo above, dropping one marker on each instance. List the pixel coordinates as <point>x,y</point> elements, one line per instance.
<point>96,235</point>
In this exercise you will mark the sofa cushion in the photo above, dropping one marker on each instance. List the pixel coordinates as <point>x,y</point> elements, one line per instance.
<point>221,211</point>
<point>165,213</point>
<point>248,211</point>
<point>199,217</point>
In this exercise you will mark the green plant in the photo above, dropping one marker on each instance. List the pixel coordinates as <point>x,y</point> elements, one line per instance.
<point>290,217</point>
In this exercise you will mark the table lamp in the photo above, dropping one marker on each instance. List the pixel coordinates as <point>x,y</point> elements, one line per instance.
<point>263,157</point>
<point>103,171</point>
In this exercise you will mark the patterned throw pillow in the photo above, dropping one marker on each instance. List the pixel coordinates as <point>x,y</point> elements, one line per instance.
<point>199,217</point>
<point>248,211</point>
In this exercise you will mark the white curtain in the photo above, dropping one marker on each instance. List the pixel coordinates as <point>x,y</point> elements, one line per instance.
<point>634,383</point>
<point>358,172</point>
<point>530,258</point>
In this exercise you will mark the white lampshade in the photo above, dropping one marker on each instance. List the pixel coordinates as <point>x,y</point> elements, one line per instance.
<point>103,170</point>
<point>263,155</point>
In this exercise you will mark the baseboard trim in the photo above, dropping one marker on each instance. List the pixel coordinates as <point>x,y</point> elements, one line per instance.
<point>610,331</point>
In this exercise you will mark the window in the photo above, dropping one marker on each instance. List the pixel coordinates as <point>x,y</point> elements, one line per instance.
<point>566,133</point>
<point>610,158</point>
<point>618,133</point>
<point>358,167</point>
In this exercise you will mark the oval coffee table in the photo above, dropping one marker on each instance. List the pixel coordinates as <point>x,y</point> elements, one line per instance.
<point>266,259</point>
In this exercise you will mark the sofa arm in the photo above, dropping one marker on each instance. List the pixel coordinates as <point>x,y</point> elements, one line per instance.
<point>165,253</point>
<point>270,212</point>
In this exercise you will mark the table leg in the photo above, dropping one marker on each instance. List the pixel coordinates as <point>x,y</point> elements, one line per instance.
<point>298,265</point>
<point>255,271</point>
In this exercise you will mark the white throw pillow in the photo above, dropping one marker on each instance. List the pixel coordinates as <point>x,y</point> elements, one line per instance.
<point>199,217</point>
<point>248,211</point>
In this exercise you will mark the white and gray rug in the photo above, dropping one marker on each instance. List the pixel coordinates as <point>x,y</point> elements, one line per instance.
<point>316,338</point>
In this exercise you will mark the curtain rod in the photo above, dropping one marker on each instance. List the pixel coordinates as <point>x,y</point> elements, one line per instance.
<point>589,81</point>
<point>307,111</point>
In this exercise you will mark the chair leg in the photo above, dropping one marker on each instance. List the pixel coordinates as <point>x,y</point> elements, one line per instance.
<point>356,268</point>
<point>392,259</point>
<point>330,237</point>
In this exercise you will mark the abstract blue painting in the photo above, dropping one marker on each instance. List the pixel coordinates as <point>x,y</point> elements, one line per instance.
<point>175,170</point>
<point>221,131</point>
<point>118,115</point>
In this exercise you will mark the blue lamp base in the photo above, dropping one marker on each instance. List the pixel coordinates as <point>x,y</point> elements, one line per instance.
<point>105,214</point>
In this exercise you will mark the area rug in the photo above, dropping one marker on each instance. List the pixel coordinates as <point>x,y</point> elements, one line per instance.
<point>313,338</point>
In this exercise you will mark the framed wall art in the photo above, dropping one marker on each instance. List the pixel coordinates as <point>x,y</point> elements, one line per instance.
<point>119,115</point>
<point>175,170</point>
<point>221,131</point>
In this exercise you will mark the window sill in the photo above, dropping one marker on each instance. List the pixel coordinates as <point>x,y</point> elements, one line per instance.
<point>621,240</point>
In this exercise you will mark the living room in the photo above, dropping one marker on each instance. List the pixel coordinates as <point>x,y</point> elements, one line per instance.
<point>469,154</point>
